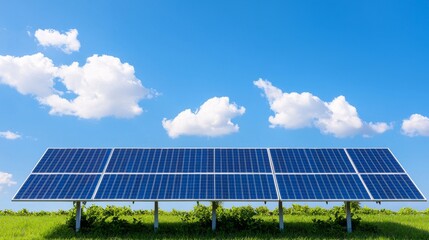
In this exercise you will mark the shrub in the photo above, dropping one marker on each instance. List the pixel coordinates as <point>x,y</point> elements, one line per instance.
<point>318,211</point>
<point>7,212</point>
<point>366,210</point>
<point>336,222</point>
<point>263,211</point>
<point>407,211</point>
<point>23,212</point>
<point>297,209</point>
<point>242,218</point>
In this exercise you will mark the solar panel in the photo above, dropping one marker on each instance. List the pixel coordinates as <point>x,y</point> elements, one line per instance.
<point>224,174</point>
<point>73,161</point>
<point>245,187</point>
<point>58,187</point>
<point>161,161</point>
<point>311,161</point>
<point>391,186</point>
<point>374,161</point>
<point>321,186</point>
<point>242,160</point>
<point>156,186</point>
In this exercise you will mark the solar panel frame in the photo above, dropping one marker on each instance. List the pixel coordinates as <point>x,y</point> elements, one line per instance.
<point>295,176</point>
<point>403,172</point>
<point>282,162</point>
<point>156,182</point>
<point>149,154</point>
<point>271,188</point>
<point>361,162</point>
<point>57,168</point>
<point>44,180</point>
<point>273,173</point>
<point>247,160</point>
<point>392,188</point>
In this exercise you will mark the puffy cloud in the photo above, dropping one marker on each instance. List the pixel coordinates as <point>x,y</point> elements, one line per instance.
<point>67,42</point>
<point>416,125</point>
<point>213,118</point>
<point>103,86</point>
<point>6,180</point>
<point>30,74</point>
<point>292,110</point>
<point>298,110</point>
<point>10,135</point>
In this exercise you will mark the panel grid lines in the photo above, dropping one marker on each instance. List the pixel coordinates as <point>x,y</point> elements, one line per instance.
<point>218,174</point>
<point>360,177</point>
<point>104,171</point>
<point>374,160</point>
<point>310,161</point>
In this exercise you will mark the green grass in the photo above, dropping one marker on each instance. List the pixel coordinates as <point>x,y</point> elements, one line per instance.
<point>170,227</point>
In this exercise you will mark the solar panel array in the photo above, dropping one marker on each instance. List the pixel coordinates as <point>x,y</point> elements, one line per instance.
<point>218,174</point>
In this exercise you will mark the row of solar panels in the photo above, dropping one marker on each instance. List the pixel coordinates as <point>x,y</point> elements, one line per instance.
<point>222,187</point>
<point>218,161</point>
<point>219,174</point>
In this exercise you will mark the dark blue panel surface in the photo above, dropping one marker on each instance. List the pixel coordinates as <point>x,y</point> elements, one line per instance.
<point>242,160</point>
<point>391,186</point>
<point>156,186</point>
<point>58,187</point>
<point>161,161</point>
<point>311,161</point>
<point>245,187</point>
<point>73,161</point>
<point>374,161</point>
<point>321,187</point>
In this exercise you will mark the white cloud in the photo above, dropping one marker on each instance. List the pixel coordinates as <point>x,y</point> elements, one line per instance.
<point>6,180</point>
<point>416,125</point>
<point>67,42</point>
<point>103,86</point>
<point>212,119</point>
<point>298,110</point>
<point>9,135</point>
<point>30,74</point>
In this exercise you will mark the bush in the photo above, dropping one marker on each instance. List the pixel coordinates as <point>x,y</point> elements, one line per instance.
<point>337,222</point>
<point>238,218</point>
<point>297,209</point>
<point>105,221</point>
<point>407,211</point>
<point>318,211</point>
<point>23,212</point>
<point>368,211</point>
<point>7,212</point>
<point>263,211</point>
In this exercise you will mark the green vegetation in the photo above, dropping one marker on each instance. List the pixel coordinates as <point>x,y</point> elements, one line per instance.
<point>301,222</point>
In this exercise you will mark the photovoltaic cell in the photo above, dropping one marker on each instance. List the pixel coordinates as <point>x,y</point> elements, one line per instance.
<point>311,161</point>
<point>374,161</point>
<point>156,186</point>
<point>73,161</point>
<point>58,187</point>
<point>218,174</point>
<point>391,186</point>
<point>245,187</point>
<point>161,161</point>
<point>321,186</point>
<point>242,161</point>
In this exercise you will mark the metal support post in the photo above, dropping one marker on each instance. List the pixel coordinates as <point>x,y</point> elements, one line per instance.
<point>348,217</point>
<point>214,206</point>
<point>281,224</point>
<point>155,223</point>
<point>78,215</point>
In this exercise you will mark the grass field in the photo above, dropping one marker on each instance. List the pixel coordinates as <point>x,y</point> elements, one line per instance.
<point>171,227</point>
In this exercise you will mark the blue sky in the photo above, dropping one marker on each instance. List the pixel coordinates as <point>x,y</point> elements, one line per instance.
<point>212,74</point>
